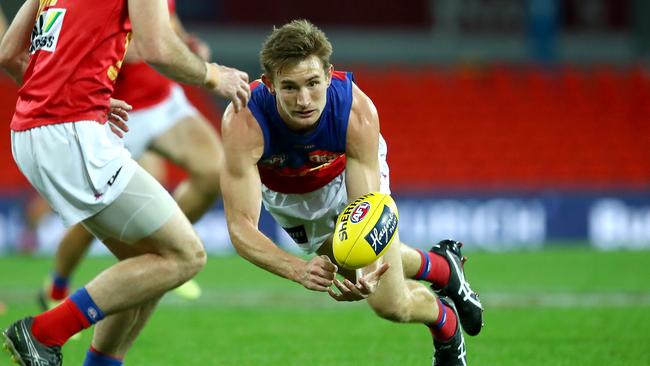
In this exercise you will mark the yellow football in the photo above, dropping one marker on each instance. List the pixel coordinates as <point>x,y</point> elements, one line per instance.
<point>364,230</point>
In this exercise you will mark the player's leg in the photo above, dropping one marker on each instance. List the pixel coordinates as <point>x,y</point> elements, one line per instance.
<point>405,301</point>
<point>396,299</point>
<point>154,164</point>
<point>75,243</point>
<point>113,336</point>
<point>173,254</point>
<point>443,267</point>
<point>171,251</point>
<point>71,249</point>
<point>36,210</point>
<point>194,145</point>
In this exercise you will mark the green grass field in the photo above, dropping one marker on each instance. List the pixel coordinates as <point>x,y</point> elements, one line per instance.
<point>554,307</point>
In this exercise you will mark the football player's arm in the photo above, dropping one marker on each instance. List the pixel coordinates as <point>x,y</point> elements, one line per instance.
<point>241,190</point>
<point>15,42</point>
<point>161,47</point>
<point>361,177</point>
<point>362,144</point>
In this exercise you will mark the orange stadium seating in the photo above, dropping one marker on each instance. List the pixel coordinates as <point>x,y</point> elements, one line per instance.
<point>514,127</point>
<point>501,127</point>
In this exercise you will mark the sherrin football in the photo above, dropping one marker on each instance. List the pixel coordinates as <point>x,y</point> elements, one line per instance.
<point>364,230</point>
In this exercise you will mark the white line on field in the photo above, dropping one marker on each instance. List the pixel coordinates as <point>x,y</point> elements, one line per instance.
<point>489,299</point>
<point>303,299</point>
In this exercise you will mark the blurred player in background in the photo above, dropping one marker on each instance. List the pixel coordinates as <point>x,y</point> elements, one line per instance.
<point>310,139</point>
<point>164,122</point>
<point>64,143</point>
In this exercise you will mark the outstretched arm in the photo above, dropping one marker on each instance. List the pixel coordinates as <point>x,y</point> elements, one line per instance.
<point>15,42</point>
<point>240,184</point>
<point>362,145</point>
<point>361,177</point>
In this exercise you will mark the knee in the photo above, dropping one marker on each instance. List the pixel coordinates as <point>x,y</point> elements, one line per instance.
<point>197,263</point>
<point>192,260</point>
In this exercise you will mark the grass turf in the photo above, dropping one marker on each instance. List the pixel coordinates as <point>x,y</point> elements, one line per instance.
<point>554,307</point>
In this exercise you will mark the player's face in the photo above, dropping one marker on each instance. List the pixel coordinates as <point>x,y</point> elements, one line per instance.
<point>301,93</point>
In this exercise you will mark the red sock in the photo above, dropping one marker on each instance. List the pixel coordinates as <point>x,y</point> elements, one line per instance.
<point>59,287</point>
<point>57,293</point>
<point>56,326</point>
<point>433,268</point>
<point>445,326</point>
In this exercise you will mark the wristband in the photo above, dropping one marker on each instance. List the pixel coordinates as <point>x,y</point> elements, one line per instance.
<point>211,79</point>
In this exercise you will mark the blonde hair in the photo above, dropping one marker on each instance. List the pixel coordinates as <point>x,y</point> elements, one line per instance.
<point>292,43</point>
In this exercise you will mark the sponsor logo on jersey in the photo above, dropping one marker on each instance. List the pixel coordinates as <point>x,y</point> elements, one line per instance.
<point>322,156</point>
<point>383,231</point>
<point>360,212</point>
<point>274,161</point>
<point>47,28</point>
<point>298,234</point>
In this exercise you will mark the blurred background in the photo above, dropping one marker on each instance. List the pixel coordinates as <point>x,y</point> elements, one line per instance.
<point>511,124</point>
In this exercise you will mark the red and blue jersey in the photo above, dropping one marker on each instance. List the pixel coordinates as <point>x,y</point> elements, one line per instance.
<point>303,162</point>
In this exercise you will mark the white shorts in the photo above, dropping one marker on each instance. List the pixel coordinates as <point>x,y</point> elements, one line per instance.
<point>78,167</point>
<point>310,218</point>
<point>147,124</point>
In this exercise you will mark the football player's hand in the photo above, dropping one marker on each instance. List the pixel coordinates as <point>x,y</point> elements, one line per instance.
<point>318,273</point>
<point>118,114</point>
<point>364,287</point>
<point>229,83</point>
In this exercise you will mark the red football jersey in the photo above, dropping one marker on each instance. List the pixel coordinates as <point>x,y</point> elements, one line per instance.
<point>141,85</point>
<point>76,54</point>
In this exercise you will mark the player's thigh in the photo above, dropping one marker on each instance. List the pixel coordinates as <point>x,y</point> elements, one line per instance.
<point>175,238</point>
<point>392,287</point>
<point>192,143</point>
<point>155,165</point>
<point>146,219</point>
<point>326,249</point>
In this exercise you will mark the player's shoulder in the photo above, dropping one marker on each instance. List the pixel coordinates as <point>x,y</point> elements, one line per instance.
<point>242,128</point>
<point>363,112</point>
<point>239,125</point>
<point>241,136</point>
<point>256,85</point>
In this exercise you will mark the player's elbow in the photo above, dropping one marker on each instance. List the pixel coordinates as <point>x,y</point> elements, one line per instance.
<point>153,54</point>
<point>237,240</point>
<point>153,47</point>
<point>6,59</point>
<point>13,66</point>
<point>237,231</point>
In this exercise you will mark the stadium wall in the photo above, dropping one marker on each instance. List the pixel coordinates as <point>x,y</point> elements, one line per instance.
<point>484,221</point>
